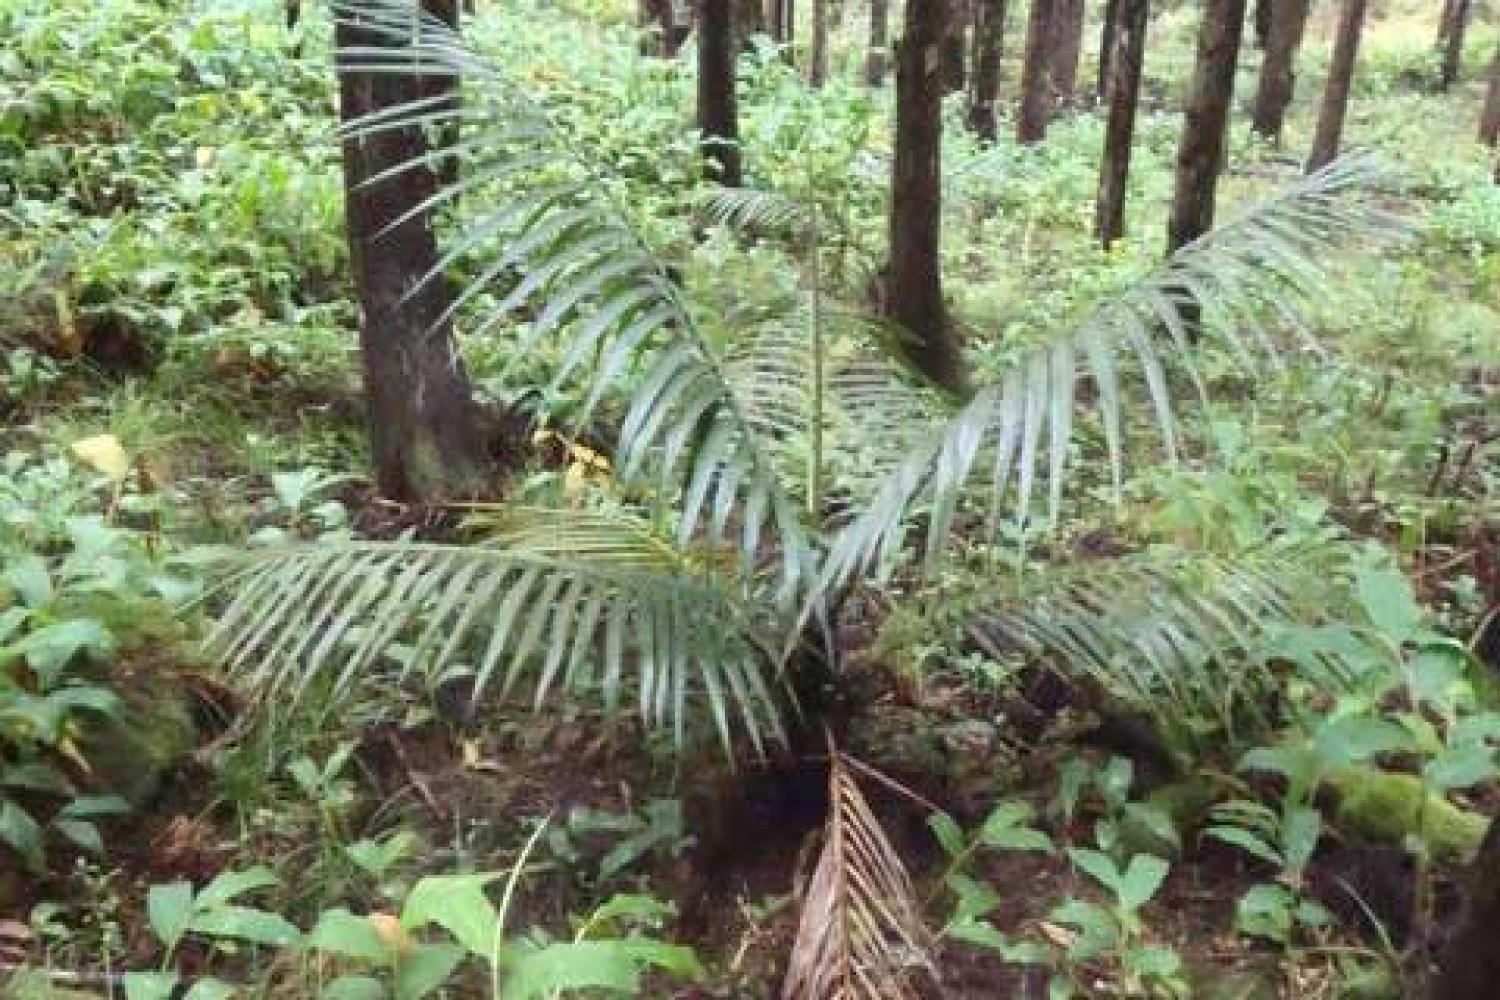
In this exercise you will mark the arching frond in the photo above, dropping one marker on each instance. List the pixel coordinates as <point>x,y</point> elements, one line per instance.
<point>550,600</point>
<point>1178,640</point>
<point>861,935</point>
<point>1231,285</point>
<point>546,246</point>
<point>749,208</point>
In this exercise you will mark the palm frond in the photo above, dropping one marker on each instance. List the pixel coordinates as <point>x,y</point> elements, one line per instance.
<point>556,252</point>
<point>860,936</point>
<point>555,599</point>
<point>1178,638</point>
<point>1260,269</point>
<point>758,210</point>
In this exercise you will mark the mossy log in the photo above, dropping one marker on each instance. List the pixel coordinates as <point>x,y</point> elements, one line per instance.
<point>1382,807</point>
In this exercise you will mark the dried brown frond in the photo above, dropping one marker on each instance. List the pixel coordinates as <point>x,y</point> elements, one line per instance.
<point>861,935</point>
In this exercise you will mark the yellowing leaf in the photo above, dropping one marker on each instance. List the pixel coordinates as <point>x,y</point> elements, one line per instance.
<point>103,453</point>
<point>388,926</point>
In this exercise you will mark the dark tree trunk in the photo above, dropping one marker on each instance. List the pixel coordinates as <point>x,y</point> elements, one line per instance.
<point>1124,90</point>
<point>1106,48</point>
<point>914,287</point>
<point>783,23</point>
<point>1200,154</point>
<point>984,90</point>
<point>653,18</point>
<point>718,112</point>
<point>1036,78</point>
<point>1453,51</point>
<point>1489,118</point>
<point>817,62</point>
<point>1469,968</point>
<point>1278,71</point>
<point>955,47</point>
<point>1445,22</point>
<point>424,431</point>
<point>1330,128</point>
<point>879,54</point>
<point>1263,14</point>
<point>749,21</point>
<point>1067,48</point>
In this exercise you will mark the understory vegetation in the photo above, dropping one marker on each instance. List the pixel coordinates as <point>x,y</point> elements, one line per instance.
<point>1162,658</point>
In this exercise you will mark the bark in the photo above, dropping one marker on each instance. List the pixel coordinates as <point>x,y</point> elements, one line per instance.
<point>1489,118</point>
<point>955,48</point>
<point>1445,22</point>
<point>1263,14</point>
<point>1106,48</point>
<point>1067,47</point>
<point>1031,121</point>
<point>424,430</point>
<point>718,111</point>
<point>817,62</point>
<point>781,18</point>
<point>749,21</point>
<point>1278,76</point>
<point>1453,51</point>
<point>914,290</point>
<point>1470,964</point>
<point>984,91</point>
<point>1124,88</point>
<point>1335,105</point>
<point>1200,154</point>
<point>879,53</point>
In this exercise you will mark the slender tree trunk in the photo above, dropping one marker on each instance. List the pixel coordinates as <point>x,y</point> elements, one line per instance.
<point>1036,77</point>
<point>424,431</point>
<point>1336,91</point>
<point>1263,14</point>
<point>1489,118</point>
<point>1200,154</point>
<point>1067,48</point>
<point>879,54</point>
<point>783,24</point>
<point>1453,52</point>
<point>817,61</point>
<point>1445,23</point>
<point>1124,91</point>
<point>718,112</point>
<point>914,288</point>
<point>749,21</point>
<point>984,91</point>
<point>1469,967</point>
<point>1107,48</point>
<point>955,47</point>
<point>1278,75</point>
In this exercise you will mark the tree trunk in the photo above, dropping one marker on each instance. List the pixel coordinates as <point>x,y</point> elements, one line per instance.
<point>1453,52</point>
<point>1278,75</point>
<point>1106,48</point>
<point>876,58</point>
<point>718,112</point>
<point>1263,14</point>
<point>1200,154</point>
<point>1124,93</point>
<point>1036,78</point>
<point>1445,23</point>
<point>1489,118</point>
<point>914,288</point>
<point>817,62</point>
<point>749,21</point>
<point>1067,47</point>
<point>1469,968</point>
<point>955,47</point>
<point>424,431</point>
<point>783,24</point>
<point>1336,91</point>
<point>984,91</point>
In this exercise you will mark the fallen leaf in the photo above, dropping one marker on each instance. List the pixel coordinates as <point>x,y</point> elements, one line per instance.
<point>103,453</point>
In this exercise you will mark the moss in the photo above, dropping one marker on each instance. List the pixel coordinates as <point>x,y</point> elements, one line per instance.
<point>1385,807</point>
